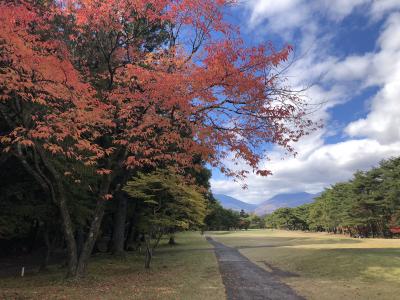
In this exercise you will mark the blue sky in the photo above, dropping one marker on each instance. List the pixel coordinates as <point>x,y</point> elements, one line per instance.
<point>348,53</point>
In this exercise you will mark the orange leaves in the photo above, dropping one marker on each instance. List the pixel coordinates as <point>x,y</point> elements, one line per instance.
<point>102,93</point>
<point>26,143</point>
<point>44,94</point>
<point>103,171</point>
<point>263,172</point>
<point>41,132</point>
<point>53,148</point>
<point>5,139</point>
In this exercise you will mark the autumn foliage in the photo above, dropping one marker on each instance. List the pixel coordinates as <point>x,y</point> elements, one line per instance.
<point>221,93</point>
<point>124,85</point>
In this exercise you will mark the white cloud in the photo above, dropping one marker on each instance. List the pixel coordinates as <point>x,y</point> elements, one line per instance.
<point>293,14</point>
<point>383,121</point>
<point>280,14</point>
<point>381,7</point>
<point>336,80</point>
<point>390,38</point>
<point>351,68</point>
<point>326,165</point>
<point>339,9</point>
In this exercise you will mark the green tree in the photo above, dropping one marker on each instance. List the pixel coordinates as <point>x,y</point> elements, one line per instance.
<point>171,206</point>
<point>219,218</point>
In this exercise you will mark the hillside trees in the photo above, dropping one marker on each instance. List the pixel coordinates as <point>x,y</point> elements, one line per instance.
<point>284,218</point>
<point>219,218</point>
<point>115,87</point>
<point>256,222</point>
<point>366,206</point>
<point>332,208</point>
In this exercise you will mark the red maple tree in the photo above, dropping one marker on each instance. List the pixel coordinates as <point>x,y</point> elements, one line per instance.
<point>127,84</point>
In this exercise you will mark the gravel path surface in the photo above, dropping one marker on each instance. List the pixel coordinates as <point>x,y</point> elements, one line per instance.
<point>244,280</point>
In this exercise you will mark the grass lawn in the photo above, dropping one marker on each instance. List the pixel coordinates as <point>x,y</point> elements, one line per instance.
<point>188,270</point>
<point>323,266</point>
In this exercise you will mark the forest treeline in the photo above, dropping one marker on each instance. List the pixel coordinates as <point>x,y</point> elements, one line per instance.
<point>368,205</point>
<point>220,218</point>
<point>150,206</point>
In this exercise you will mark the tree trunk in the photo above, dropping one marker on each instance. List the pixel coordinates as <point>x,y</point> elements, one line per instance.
<point>94,228</point>
<point>45,262</point>
<point>34,235</point>
<point>148,258</point>
<point>91,239</point>
<point>118,238</point>
<point>69,237</point>
<point>57,193</point>
<point>55,190</point>
<point>81,265</point>
<point>132,235</point>
<point>172,240</point>
<point>149,253</point>
<point>80,239</point>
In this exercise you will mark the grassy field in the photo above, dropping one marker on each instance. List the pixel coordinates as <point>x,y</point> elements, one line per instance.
<point>323,266</point>
<point>188,270</point>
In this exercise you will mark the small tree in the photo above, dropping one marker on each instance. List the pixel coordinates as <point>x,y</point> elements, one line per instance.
<point>172,205</point>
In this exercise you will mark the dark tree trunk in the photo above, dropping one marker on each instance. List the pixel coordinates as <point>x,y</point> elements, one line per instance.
<point>48,251</point>
<point>69,237</point>
<point>149,252</point>
<point>93,230</point>
<point>148,258</point>
<point>34,235</point>
<point>118,238</point>
<point>80,240</point>
<point>172,240</point>
<point>54,187</point>
<point>131,236</point>
<point>111,234</point>
<point>91,239</point>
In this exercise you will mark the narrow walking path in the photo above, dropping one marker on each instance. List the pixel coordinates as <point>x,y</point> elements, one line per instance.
<point>245,280</point>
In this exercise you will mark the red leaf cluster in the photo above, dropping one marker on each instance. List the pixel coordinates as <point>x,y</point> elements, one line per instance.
<point>76,73</point>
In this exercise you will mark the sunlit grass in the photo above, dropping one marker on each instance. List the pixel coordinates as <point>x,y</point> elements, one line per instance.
<point>324,266</point>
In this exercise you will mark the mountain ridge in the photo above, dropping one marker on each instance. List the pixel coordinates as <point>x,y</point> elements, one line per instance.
<point>269,205</point>
<point>284,200</point>
<point>233,203</point>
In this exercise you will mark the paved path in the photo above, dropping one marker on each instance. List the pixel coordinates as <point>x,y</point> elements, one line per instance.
<point>245,280</point>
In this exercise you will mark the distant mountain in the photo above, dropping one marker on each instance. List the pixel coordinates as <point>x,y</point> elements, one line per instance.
<point>284,200</point>
<point>235,204</point>
<point>268,206</point>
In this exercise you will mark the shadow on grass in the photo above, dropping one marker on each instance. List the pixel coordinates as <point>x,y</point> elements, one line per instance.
<point>367,264</point>
<point>283,241</point>
<point>278,272</point>
<point>221,232</point>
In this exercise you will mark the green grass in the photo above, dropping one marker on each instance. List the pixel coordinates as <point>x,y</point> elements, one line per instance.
<point>188,270</point>
<point>323,266</point>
